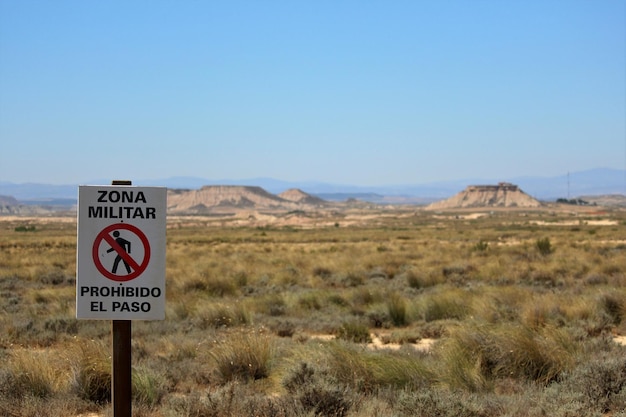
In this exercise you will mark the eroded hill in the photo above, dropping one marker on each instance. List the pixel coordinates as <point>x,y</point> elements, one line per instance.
<point>225,198</point>
<point>503,194</point>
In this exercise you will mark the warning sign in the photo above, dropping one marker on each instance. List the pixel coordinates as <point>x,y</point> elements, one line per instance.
<point>121,253</point>
<point>120,247</point>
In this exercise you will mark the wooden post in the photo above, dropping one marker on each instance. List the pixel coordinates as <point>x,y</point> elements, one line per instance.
<point>121,379</point>
<point>121,393</point>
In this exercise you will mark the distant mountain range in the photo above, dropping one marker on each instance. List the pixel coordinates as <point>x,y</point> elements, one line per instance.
<point>599,181</point>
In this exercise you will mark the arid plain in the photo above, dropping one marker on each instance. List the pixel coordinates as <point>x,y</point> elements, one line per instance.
<point>335,310</point>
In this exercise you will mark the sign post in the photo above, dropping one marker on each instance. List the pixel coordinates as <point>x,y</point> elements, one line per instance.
<point>121,268</point>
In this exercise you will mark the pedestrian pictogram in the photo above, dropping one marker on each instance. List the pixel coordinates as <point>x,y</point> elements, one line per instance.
<point>121,243</point>
<point>125,246</point>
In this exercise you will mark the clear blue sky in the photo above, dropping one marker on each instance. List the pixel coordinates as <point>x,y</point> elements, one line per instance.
<point>348,92</point>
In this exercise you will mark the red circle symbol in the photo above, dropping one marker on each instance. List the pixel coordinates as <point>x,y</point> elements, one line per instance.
<point>122,252</point>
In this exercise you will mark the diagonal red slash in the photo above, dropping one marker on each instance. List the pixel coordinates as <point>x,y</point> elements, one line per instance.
<point>120,251</point>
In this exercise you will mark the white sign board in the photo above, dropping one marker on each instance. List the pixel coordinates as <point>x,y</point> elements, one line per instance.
<point>121,253</point>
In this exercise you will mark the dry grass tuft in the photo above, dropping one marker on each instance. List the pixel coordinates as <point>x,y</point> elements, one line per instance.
<point>92,371</point>
<point>30,373</point>
<point>476,356</point>
<point>245,355</point>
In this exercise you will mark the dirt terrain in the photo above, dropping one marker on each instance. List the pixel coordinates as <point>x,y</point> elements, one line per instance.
<point>291,266</point>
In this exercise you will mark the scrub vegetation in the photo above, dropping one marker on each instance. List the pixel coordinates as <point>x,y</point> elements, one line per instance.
<point>409,313</point>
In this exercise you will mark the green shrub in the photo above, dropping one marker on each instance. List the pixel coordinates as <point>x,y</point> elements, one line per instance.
<point>314,394</point>
<point>324,401</point>
<point>272,305</point>
<point>354,331</point>
<point>338,300</point>
<point>322,272</point>
<point>544,246</point>
<point>422,280</point>
<point>232,399</point>
<point>25,228</point>
<point>442,403</point>
<point>481,246</point>
<point>299,377</point>
<point>310,301</point>
<point>600,382</point>
<point>446,305</point>
<point>396,307</point>
<point>463,357</point>
<point>536,355</point>
<point>365,296</point>
<point>613,306</point>
<point>214,286</point>
<point>368,371</point>
<point>148,387</point>
<point>218,316</point>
